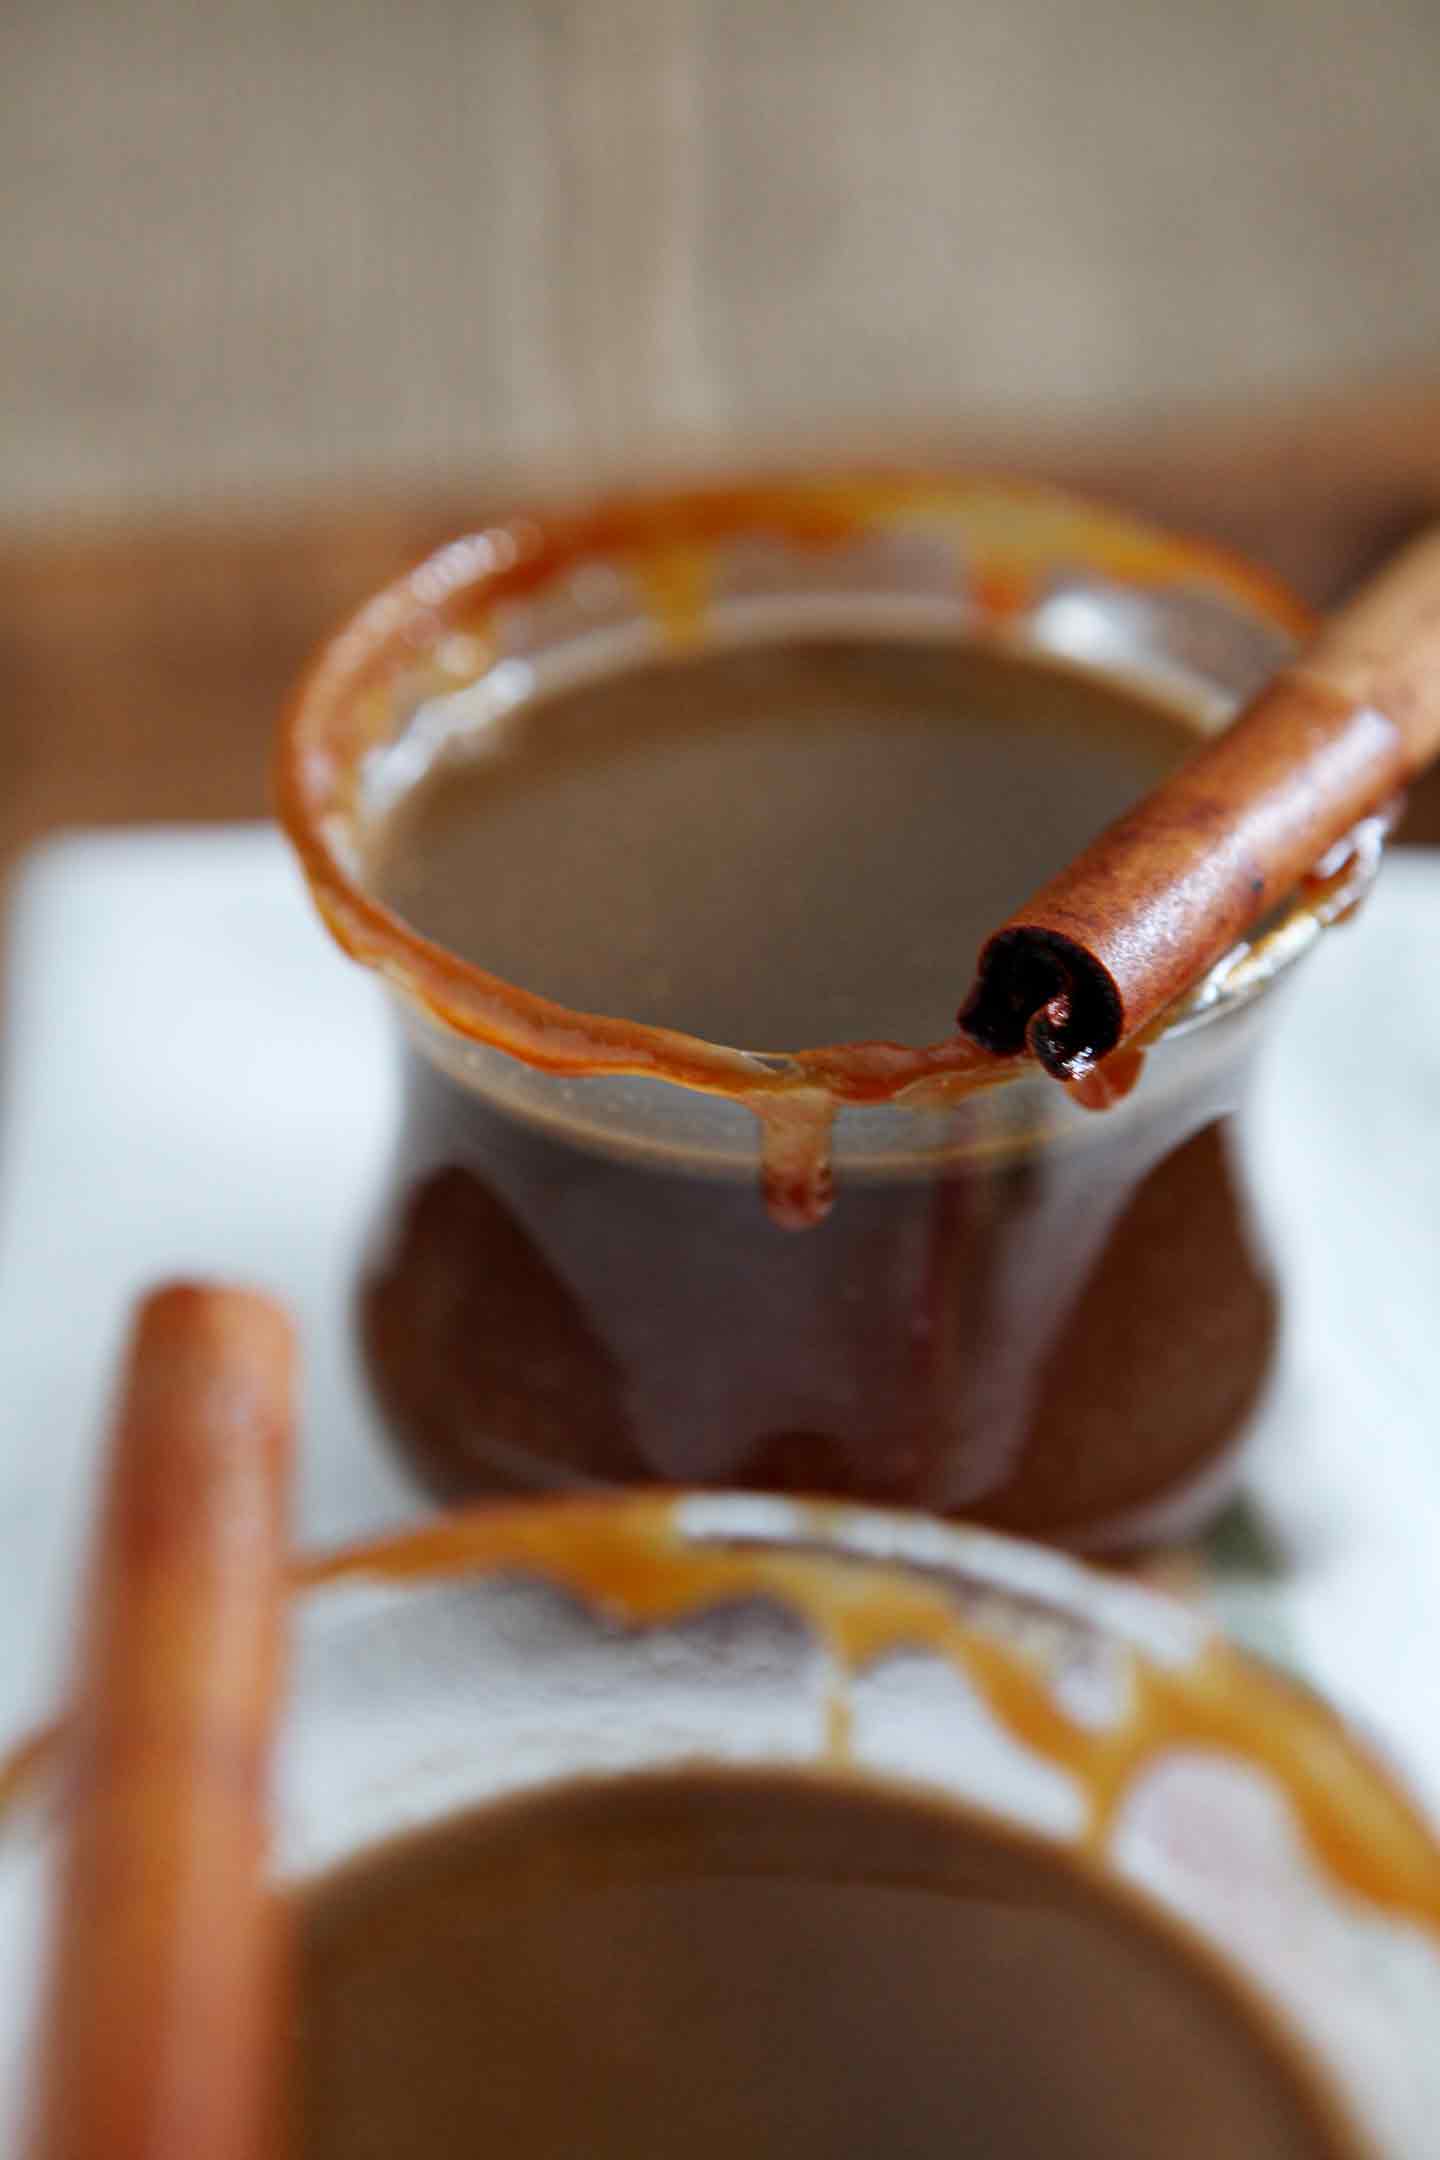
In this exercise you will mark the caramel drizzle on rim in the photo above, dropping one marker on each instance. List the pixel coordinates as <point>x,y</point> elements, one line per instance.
<point>634,1562</point>
<point>1006,538</point>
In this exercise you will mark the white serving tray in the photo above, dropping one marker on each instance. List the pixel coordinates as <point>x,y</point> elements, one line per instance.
<point>194,1081</point>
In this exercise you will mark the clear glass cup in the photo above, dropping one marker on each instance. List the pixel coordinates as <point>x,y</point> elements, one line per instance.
<point>515,1649</point>
<point>1016,1309</point>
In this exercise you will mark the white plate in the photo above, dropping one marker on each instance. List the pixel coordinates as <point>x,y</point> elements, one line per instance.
<point>196,1082</point>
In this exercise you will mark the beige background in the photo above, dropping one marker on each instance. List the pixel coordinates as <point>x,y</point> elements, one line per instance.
<point>261,245</point>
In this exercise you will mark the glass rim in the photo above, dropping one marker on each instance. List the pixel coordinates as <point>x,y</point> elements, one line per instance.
<point>872,1583</point>
<point>1013,533</point>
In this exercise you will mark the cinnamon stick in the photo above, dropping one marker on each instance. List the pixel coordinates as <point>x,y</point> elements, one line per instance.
<point>1102,949</point>
<point>159,2021</point>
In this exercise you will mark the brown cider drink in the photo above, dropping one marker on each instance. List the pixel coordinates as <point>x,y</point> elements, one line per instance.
<point>697,781</point>
<point>781,1967</point>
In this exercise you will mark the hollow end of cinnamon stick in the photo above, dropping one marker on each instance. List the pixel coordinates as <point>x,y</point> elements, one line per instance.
<point>1040,991</point>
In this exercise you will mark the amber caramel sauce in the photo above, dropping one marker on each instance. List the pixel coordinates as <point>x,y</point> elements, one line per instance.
<point>634,1564</point>
<point>1004,536</point>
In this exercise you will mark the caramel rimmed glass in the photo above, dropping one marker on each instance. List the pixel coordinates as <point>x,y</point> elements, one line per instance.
<point>516,1649</point>
<point>604,1254</point>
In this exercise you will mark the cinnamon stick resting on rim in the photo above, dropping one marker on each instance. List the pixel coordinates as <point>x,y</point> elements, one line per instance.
<point>160,2019</point>
<point>1164,892</point>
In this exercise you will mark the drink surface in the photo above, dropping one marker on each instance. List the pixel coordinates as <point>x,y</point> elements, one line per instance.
<point>773,847</point>
<point>728,1963</point>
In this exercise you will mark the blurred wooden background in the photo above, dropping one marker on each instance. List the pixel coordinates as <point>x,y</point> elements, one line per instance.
<point>294,288</point>
<point>253,246</point>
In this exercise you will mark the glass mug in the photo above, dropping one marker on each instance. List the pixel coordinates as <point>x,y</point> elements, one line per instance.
<point>517,1650</point>
<point>601,1257</point>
